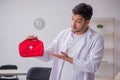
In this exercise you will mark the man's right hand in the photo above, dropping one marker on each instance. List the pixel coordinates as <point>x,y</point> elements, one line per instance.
<point>31,37</point>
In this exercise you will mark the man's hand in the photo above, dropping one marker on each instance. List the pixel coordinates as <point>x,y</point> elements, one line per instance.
<point>31,37</point>
<point>62,56</point>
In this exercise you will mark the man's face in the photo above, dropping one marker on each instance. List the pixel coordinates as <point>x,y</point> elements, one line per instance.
<point>79,24</point>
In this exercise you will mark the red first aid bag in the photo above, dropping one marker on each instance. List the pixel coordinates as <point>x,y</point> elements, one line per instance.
<point>31,48</point>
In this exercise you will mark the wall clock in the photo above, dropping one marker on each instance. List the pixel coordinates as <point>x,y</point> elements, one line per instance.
<point>39,23</point>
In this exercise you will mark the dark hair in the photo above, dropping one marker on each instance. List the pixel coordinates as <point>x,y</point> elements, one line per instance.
<point>85,10</point>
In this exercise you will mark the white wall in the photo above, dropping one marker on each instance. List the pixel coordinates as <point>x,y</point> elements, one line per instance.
<point>17,18</point>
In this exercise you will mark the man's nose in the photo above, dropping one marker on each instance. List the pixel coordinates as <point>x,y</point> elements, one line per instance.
<point>73,23</point>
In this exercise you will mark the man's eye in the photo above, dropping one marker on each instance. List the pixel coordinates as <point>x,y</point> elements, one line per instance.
<point>78,21</point>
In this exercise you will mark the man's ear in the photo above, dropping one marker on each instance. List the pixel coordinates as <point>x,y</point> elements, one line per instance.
<point>87,21</point>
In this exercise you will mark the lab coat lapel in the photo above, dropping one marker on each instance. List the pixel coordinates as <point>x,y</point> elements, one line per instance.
<point>68,40</point>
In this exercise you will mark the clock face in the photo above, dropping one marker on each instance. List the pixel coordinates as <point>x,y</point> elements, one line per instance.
<point>39,23</point>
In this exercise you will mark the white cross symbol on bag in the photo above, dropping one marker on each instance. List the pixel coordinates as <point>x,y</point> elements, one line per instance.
<point>30,47</point>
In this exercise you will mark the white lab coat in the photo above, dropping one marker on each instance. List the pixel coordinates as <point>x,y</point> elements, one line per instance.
<point>88,59</point>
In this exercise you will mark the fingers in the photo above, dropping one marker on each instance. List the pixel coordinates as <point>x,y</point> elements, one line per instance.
<point>55,55</point>
<point>31,37</point>
<point>64,54</point>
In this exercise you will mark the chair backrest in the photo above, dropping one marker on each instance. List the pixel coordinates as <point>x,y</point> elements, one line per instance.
<point>38,73</point>
<point>8,67</point>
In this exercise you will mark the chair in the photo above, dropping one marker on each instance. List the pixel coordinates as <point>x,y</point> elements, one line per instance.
<point>38,73</point>
<point>8,77</point>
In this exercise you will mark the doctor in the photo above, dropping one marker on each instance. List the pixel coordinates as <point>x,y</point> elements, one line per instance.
<point>76,52</point>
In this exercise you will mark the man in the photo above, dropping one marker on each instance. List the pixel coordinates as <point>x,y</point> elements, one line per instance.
<point>76,52</point>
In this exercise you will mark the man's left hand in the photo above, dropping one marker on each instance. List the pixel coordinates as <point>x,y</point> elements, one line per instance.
<point>62,56</point>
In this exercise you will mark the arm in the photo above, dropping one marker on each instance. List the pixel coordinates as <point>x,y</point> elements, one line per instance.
<point>51,48</point>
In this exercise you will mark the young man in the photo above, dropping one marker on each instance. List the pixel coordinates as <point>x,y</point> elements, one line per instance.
<point>76,52</point>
